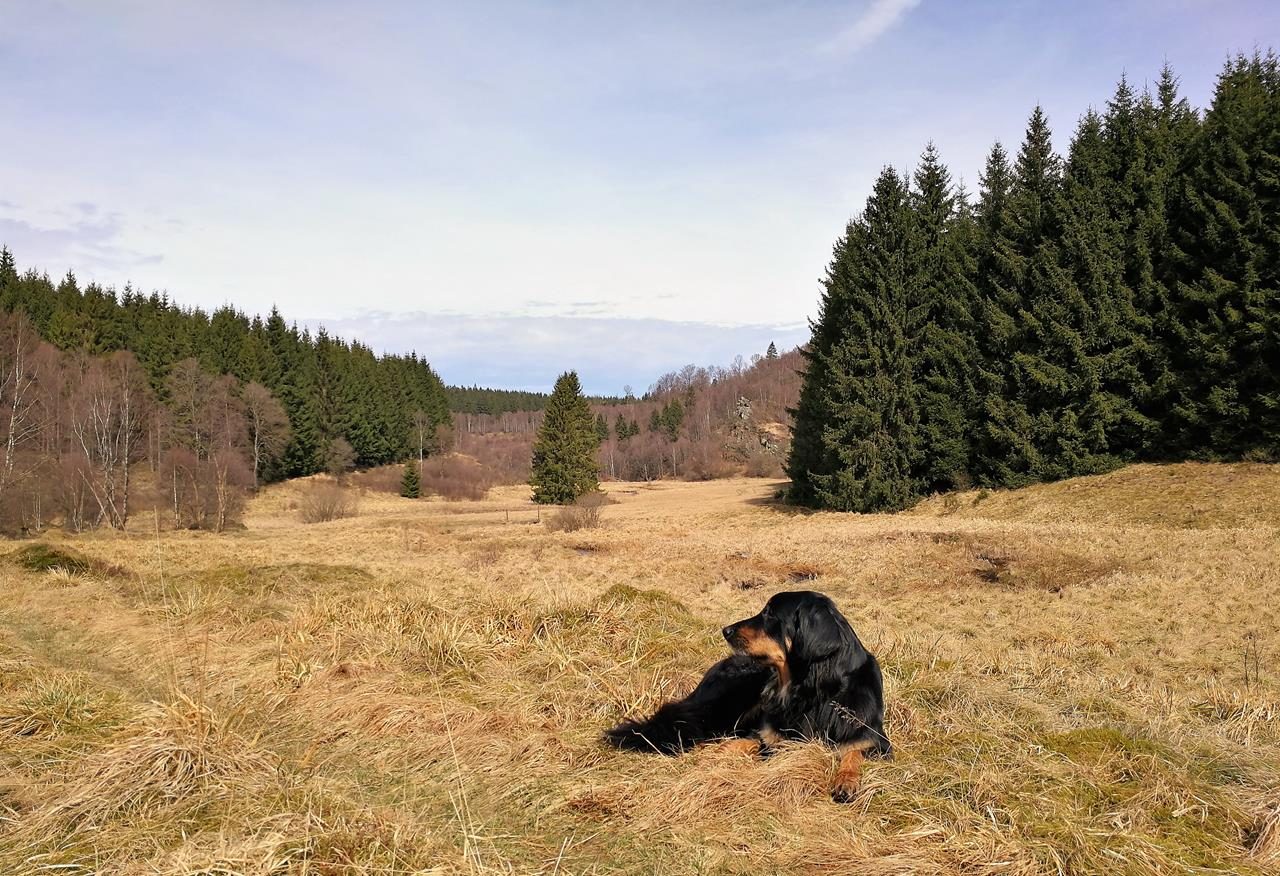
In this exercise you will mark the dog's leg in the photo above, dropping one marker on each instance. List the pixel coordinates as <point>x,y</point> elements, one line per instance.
<point>770,739</point>
<point>848,774</point>
<point>751,747</point>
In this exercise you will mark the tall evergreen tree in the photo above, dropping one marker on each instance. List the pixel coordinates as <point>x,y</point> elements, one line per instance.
<point>1036,423</point>
<point>947,355</point>
<point>1225,395</point>
<point>564,454</point>
<point>1167,127</point>
<point>856,435</point>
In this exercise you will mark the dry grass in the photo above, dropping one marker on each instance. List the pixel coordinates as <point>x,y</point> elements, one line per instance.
<point>1081,679</point>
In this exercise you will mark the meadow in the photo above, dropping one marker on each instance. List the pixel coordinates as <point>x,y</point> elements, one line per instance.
<point>1081,678</point>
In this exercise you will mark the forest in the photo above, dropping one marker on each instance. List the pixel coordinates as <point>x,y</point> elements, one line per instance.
<point>112,403</point>
<point>486,400</point>
<point>1116,304</point>
<point>93,383</point>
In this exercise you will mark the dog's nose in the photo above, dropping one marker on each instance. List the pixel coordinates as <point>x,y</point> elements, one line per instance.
<point>727,632</point>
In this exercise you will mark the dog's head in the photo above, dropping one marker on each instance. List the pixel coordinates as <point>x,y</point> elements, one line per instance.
<point>795,629</point>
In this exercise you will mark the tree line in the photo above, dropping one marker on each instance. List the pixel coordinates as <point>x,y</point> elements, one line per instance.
<point>480,400</point>
<point>92,382</point>
<point>1116,304</point>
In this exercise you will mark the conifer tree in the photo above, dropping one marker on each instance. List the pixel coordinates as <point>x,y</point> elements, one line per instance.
<point>564,454</point>
<point>1027,291</point>
<point>671,419</point>
<point>411,481</point>
<point>856,436</point>
<point>948,353</point>
<point>1225,397</point>
<point>772,352</point>
<point>1167,125</point>
<point>602,429</point>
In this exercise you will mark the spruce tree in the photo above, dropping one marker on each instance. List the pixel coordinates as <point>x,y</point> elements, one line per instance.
<point>1167,126</point>
<point>564,454</point>
<point>411,481</point>
<point>1028,434</point>
<point>772,352</point>
<point>947,356</point>
<point>1225,397</point>
<point>856,434</point>
<point>602,429</point>
<point>998,303</point>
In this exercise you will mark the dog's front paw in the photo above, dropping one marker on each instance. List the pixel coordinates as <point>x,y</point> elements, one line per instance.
<point>844,791</point>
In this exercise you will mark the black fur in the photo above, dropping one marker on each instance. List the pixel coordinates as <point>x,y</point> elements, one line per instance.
<point>835,693</point>
<point>725,703</point>
<point>828,687</point>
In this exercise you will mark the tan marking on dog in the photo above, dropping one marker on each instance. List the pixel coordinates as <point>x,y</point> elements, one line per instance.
<point>771,737</point>
<point>757,643</point>
<point>848,774</point>
<point>748,747</point>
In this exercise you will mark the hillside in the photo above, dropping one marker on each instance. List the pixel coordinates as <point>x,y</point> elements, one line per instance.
<point>1189,495</point>
<point>692,424</point>
<point>1079,680</point>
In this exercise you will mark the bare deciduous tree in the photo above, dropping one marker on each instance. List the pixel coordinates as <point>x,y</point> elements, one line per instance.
<point>20,408</point>
<point>268,426</point>
<point>339,457</point>
<point>108,421</point>
<point>424,430</point>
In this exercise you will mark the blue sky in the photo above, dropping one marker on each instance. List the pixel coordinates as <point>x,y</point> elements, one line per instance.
<point>518,188</point>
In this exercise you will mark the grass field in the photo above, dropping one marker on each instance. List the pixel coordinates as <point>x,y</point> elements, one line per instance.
<point>1081,678</point>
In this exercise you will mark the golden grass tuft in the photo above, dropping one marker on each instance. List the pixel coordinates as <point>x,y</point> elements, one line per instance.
<point>187,750</point>
<point>57,703</point>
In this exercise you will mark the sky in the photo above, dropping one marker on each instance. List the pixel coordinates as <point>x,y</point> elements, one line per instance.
<point>516,189</point>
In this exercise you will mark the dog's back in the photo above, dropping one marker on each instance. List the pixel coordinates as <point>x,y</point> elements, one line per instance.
<point>725,703</point>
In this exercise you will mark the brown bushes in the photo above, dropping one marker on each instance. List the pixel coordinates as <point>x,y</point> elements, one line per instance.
<point>582,514</point>
<point>323,502</point>
<point>455,477</point>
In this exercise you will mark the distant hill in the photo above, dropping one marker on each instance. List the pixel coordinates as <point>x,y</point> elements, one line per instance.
<point>695,423</point>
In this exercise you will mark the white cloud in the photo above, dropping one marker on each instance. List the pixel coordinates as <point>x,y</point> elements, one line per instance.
<point>522,352</point>
<point>870,26</point>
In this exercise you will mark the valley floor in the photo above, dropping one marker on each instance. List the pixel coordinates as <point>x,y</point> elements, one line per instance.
<point>1081,678</point>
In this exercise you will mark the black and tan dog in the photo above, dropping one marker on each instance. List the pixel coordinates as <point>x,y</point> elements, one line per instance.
<point>798,672</point>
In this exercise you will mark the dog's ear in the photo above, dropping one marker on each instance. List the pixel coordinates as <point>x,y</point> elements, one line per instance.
<point>817,632</point>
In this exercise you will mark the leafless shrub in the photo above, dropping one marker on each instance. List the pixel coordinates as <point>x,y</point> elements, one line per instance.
<point>763,464</point>
<point>323,502</point>
<point>582,514</point>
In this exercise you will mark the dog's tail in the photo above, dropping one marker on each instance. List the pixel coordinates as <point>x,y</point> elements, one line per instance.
<point>725,703</point>
<point>667,732</point>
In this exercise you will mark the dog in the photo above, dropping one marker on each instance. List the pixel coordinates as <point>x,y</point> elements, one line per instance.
<point>798,672</point>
